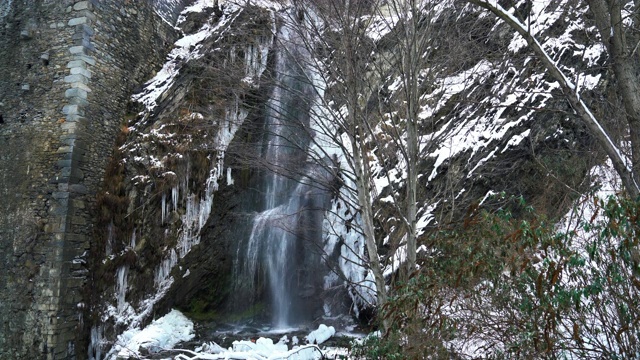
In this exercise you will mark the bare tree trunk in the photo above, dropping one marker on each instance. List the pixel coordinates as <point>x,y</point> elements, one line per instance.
<point>610,23</point>
<point>408,59</point>
<point>357,125</point>
<point>364,198</point>
<point>411,69</point>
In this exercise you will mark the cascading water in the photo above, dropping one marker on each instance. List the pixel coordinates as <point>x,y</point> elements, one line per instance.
<point>278,263</point>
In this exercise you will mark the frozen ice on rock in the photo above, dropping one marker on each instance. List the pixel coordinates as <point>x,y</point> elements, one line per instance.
<point>322,334</point>
<point>210,348</point>
<point>163,333</point>
<point>262,349</point>
<point>267,346</point>
<point>262,346</point>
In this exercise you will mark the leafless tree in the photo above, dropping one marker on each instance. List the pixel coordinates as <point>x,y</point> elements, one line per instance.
<point>413,30</point>
<point>335,32</point>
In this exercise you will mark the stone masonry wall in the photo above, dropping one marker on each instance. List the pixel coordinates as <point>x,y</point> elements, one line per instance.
<point>67,69</point>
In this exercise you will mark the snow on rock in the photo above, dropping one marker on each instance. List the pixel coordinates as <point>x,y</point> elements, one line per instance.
<point>322,334</point>
<point>338,229</point>
<point>262,349</point>
<point>197,7</point>
<point>262,346</point>
<point>186,49</point>
<point>167,9</point>
<point>161,334</point>
<point>193,208</point>
<point>210,348</point>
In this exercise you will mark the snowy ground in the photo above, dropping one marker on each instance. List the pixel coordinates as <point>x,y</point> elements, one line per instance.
<point>164,334</point>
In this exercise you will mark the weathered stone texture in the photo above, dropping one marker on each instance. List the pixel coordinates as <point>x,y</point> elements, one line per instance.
<point>67,69</point>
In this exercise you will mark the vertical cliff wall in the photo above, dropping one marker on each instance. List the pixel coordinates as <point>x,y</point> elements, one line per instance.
<point>67,69</point>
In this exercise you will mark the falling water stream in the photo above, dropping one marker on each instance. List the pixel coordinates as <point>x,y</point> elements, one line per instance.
<point>277,264</point>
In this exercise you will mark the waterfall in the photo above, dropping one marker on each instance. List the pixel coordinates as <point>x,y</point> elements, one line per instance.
<point>278,264</point>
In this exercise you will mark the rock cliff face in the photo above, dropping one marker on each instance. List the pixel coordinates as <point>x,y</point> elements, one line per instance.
<point>115,210</point>
<point>67,71</point>
<point>167,214</point>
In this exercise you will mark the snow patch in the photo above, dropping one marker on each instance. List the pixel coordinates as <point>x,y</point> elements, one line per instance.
<point>197,7</point>
<point>320,335</point>
<point>187,48</point>
<point>161,334</point>
<point>166,9</point>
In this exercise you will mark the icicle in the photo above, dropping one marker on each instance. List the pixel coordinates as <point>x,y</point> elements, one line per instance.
<point>229,178</point>
<point>164,270</point>
<point>121,286</point>
<point>133,240</point>
<point>198,210</point>
<point>110,236</point>
<point>174,197</point>
<point>164,207</point>
<point>248,61</point>
<point>95,344</point>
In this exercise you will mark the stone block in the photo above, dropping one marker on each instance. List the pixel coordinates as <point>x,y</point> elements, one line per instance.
<point>75,118</point>
<point>78,21</point>
<point>81,71</point>
<point>80,85</point>
<point>66,156</point>
<point>58,179</point>
<point>82,5</point>
<point>70,137</point>
<point>57,211</point>
<point>81,61</point>
<point>78,50</point>
<point>64,163</point>
<point>69,142</point>
<point>84,29</point>
<point>72,109</point>
<point>78,101</point>
<point>86,13</point>
<point>77,64</point>
<point>76,92</point>
<point>80,36</point>
<point>78,189</point>
<point>88,46</point>
<point>60,195</point>
<point>64,149</point>
<point>76,78</point>
<point>88,59</point>
<point>71,127</point>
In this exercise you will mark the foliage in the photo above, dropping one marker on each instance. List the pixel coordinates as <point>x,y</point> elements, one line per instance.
<point>500,287</point>
<point>376,348</point>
